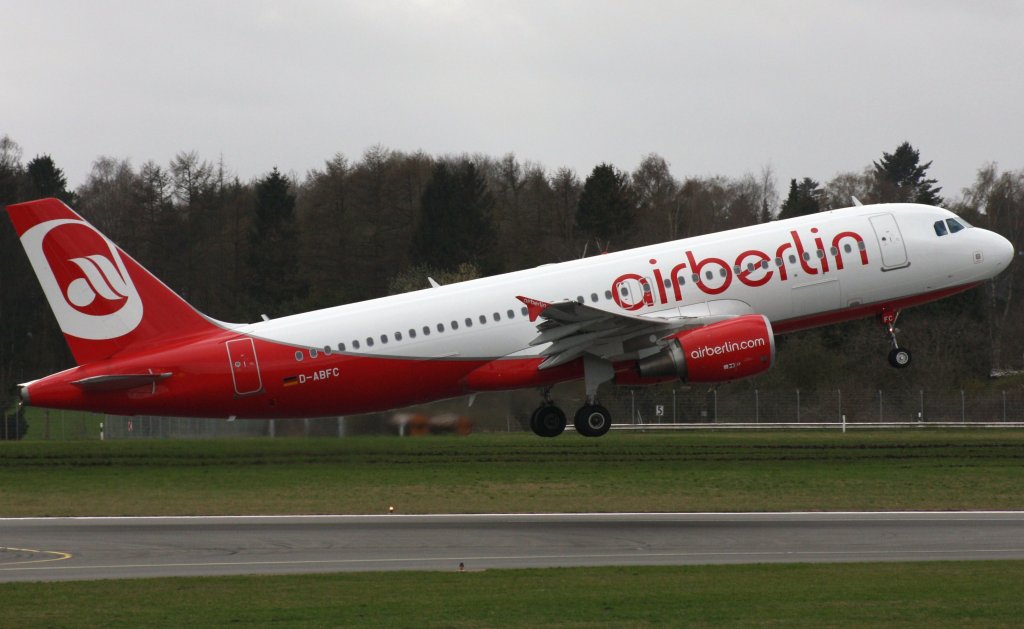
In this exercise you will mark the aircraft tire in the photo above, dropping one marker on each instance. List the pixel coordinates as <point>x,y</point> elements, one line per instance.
<point>900,358</point>
<point>547,421</point>
<point>592,420</point>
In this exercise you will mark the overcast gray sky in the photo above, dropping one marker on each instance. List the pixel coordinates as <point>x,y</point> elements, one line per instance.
<point>717,87</point>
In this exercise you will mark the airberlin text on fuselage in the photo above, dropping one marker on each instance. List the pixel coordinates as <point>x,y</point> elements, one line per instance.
<point>752,267</point>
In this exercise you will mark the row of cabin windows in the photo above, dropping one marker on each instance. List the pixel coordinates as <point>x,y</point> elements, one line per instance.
<point>468,321</point>
<point>412,333</point>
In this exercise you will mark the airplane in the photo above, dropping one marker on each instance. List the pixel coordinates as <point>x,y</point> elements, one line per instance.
<point>704,309</point>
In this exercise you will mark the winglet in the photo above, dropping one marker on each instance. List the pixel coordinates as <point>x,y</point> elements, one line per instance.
<point>533,306</point>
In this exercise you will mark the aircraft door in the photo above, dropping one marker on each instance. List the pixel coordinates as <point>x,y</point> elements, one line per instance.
<point>894,251</point>
<point>245,369</point>
<point>632,291</point>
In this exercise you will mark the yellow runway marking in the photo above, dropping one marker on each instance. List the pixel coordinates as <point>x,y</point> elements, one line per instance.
<point>60,556</point>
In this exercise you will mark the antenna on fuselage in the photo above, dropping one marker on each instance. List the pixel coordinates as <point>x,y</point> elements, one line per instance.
<point>856,201</point>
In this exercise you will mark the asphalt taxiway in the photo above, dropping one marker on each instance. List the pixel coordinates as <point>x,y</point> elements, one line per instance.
<point>43,549</point>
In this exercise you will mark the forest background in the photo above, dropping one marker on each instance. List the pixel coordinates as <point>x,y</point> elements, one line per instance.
<point>381,224</point>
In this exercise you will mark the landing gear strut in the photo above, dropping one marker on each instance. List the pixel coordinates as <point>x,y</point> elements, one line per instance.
<point>899,357</point>
<point>591,420</point>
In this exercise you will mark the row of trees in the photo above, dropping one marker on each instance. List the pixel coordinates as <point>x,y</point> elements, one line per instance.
<point>358,229</point>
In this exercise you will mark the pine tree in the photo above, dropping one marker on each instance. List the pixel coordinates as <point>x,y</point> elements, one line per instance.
<point>802,199</point>
<point>274,278</point>
<point>456,224</point>
<point>44,179</point>
<point>900,177</point>
<point>606,207</point>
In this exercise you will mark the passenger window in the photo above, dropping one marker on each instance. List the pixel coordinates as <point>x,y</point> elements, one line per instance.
<point>750,268</point>
<point>860,245</point>
<point>384,339</point>
<point>341,347</point>
<point>312,353</point>
<point>764,264</point>
<point>327,350</point>
<point>579,299</point>
<point>426,330</point>
<point>355,344</point>
<point>954,226</point>
<point>682,280</point>
<point>736,268</point>
<point>412,333</point>
<point>455,324</point>
<point>496,316</point>
<point>525,310</point>
<point>469,322</point>
<point>440,327</point>
<point>709,275</point>
<point>847,248</point>
<point>834,251</point>
<point>298,357</point>
<point>398,336</point>
<point>607,294</point>
<point>695,278</point>
<point>512,313</point>
<point>483,319</point>
<point>792,259</point>
<point>821,254</point>
<point>625,293</point>
<point>778,262</point>
<point>369,341</point>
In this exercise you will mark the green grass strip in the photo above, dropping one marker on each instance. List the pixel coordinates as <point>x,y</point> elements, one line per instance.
<point>939,594</point>
<point>909,470</point>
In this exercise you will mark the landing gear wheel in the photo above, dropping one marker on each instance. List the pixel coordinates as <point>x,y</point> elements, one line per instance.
<point>547,421</point>
<point>899,357</point>
<point>592,420</point>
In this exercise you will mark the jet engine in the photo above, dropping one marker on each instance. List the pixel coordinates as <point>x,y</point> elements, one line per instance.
<point>719,352</point>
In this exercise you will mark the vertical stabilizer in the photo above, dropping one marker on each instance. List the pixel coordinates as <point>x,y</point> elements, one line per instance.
<point>104,301</point>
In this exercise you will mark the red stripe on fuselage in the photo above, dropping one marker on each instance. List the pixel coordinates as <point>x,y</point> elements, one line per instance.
<point>201,383</point>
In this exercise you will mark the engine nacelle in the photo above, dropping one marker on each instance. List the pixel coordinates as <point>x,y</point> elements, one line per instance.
<point>723,351</point>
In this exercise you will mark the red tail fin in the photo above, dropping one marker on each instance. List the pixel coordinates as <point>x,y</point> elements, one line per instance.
<point>104,301</point>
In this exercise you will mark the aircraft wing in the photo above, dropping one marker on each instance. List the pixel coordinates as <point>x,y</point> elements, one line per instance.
<point>572,329</point>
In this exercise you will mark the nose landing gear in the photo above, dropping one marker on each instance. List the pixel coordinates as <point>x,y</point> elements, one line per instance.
<point>899,357</point>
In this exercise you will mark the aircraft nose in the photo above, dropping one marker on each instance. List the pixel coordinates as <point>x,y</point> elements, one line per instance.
<point>1002,251</point>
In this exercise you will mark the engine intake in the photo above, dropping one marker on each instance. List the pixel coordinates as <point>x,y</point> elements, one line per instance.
<point>723,351</point>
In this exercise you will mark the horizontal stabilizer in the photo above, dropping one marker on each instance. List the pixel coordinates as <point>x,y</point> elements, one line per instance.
<point>119,382</point>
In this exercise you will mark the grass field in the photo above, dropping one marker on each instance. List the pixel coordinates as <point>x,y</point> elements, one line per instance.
<point>911,470</point>
<point>914,470</point>
<point>962,594</point>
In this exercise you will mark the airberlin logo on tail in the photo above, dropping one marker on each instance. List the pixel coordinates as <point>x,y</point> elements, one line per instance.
<point>84,279</point>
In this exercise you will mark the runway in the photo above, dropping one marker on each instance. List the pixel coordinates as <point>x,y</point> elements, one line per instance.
<point>49,549</point>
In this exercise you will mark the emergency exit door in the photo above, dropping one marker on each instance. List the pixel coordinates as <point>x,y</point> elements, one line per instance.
<point>245,369</point>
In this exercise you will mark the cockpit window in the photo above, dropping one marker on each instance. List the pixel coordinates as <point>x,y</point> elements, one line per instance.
<point>954,225</point>
<point>940,228</point>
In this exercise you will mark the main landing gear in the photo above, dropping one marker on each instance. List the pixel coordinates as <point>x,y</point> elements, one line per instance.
<point>899,357</point>
<point>591,420</point>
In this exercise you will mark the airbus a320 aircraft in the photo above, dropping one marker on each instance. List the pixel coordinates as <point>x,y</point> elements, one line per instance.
<point>702,309</point>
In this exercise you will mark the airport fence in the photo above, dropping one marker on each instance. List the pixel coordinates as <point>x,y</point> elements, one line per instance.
<point>639,408</point>
<point>835,407</point>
